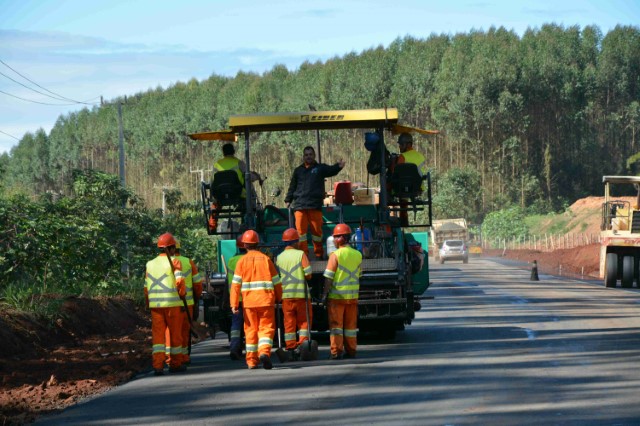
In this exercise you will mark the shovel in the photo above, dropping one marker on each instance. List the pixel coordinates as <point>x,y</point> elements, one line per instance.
<point>283,356</point>
<point>308,348</point>
<point>184,300</point>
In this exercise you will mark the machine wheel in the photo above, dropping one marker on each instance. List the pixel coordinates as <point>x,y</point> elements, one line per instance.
<point>387,333</point>
<point>612,270</point>
<point>627,271</point>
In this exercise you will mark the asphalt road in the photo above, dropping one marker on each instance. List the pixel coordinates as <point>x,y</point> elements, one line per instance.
<point>491,348</point>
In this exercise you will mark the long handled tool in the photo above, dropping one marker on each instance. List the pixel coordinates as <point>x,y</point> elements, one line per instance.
<point>308,348</point>
<point>282,355</point>
<point>184,300</point>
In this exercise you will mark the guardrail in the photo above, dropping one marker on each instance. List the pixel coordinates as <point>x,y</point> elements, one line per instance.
<point>546,242</point>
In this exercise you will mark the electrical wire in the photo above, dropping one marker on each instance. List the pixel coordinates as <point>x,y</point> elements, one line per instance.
<point>59,97</point>
<point>5,133</point>
<point>35,102</point>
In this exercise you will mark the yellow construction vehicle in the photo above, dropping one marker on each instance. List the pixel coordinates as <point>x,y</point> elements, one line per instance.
<point>620,233</point>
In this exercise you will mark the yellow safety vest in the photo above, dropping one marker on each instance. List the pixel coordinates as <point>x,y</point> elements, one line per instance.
<point>346,279</point>
<point>161,284</point>
<point>187,273</point>
<point>414,157</point>
<point>289,263</point>
<point>231,268</point>
<point>230,163</point>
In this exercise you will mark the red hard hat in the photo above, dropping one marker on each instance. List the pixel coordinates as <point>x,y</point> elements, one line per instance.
<point>239,243</point>
<point>250,237</point>
<point>290,235</point>
<point>166,240</point>
<point>341,229</point>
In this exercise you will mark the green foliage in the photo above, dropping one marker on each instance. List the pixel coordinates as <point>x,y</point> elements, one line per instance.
<point>77,245</point>
<point>459,194</point>
<point>505,224</point>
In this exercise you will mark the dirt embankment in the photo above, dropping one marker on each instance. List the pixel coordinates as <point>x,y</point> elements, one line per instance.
<point>93,346</point>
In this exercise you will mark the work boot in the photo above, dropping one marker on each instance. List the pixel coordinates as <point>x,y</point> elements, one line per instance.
<point>235,355</point>
<point>158,372</point>
<point>181,369</point>
<point>347,355</point>
<point>266,362</point>
<point>252,367</point>
<point>335,356</point>
<point>294,354</point>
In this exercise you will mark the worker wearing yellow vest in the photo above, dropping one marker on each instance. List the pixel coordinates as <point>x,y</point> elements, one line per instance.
<point>256,279</point>
<point>342,284</point>
<point>164,291</point>
<point>235,332</point>
<point>294,267</point>
<point>409,155</point>
<point>193,281</point>
<point>231,162</point>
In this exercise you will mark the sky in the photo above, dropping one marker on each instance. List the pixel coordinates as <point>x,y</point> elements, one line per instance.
<point>60,56</point>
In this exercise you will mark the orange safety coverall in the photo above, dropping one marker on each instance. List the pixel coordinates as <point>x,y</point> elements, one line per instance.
<point>258,281</point>
<point>310,218</point>
<point>343,315</point>
<point>294,310</point>
<point>186,327</point>
<point>167,318</point>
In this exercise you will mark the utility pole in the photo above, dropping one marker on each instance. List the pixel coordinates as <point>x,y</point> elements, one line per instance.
<point>164,188</point>
<point>121,140</point>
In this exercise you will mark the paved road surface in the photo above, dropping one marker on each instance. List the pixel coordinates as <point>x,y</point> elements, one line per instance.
<point>492,348</point>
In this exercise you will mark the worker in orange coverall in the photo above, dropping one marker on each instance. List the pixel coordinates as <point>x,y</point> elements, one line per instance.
<point>294,268</point>
<point>255,277</point>
<point>342,284</point>
<point>193,282</point>
<point>164,292</point>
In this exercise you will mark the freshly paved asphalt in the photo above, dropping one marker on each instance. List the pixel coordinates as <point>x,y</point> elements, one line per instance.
<point>492,347</point>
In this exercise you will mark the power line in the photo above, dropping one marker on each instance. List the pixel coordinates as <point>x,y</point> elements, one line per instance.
<point>43,88</point>
<point>5,133</point>
<point>35,102</point>
<point>31,88</point>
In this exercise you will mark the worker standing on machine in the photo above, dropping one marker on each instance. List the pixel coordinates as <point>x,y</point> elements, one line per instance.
<point>340,294</point>
<point>257,280</point>
<point>164,292</point>
<point>237,319</point>
<point>294,267</point>
<point>306,192</point>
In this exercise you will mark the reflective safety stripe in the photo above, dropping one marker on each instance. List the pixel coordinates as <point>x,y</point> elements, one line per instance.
<point>289,263</point>
<point>336,331</point>
<point>235,334</point>
<point>289,336</point>
<point>304,333</point>
<point>157,349</point>
<point>251,348</point>
<point>350,332</point>
<point>256,285</point>
<point>303,238</point>
<point>316,238</point>
<point>198,277</point>
<point>265,341</point>
<point>329,274</point>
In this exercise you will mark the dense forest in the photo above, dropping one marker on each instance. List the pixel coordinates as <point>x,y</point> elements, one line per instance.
<point>532,120</point>
<point>527,124</point>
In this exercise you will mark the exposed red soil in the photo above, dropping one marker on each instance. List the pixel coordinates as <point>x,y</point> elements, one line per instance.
<point>97,344</point>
